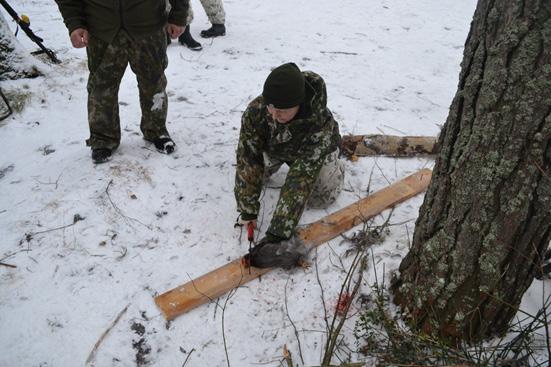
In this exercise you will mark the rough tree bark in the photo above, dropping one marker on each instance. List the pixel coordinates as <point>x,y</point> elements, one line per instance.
<point>486,218</point>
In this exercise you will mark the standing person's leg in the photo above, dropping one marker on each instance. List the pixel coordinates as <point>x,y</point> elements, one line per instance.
<point>217,17</point>
<point>106,63</point>
<point>148,60</point>
<point>185,38</point>
<point>329,184</point>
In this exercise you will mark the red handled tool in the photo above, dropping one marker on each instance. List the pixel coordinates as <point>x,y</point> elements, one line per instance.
<point>250,236</point>
<point>250,232</point>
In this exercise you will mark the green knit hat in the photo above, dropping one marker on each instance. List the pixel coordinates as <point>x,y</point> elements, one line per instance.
<point>284,87</point>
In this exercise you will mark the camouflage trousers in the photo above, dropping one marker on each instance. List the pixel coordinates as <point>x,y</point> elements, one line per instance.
<point>213,8</point>
<point>328,185</point>
<point>107,63</point>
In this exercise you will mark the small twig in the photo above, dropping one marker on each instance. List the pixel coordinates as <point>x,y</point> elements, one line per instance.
<point>342,267</point>
<point>117,209</point>
<point>382,173</point>
<point>56,183</point>
<point>292,323</point>
<point>29,236</point>
<point>392,128</point>
<point>188,356</point>
<point>546,326</point>
<point>123,252</point>
<point>92,354</point>
<point>339,53</point>
<point>409,240</point>
<point>334,330</point>
<point>541,170</point>
<point>322,295</point>
<point>8,265</point>
<point>203,294</point>
<point>368,189</point>
<point>287,356</point>
<point>230,295</point>
<point>13,254</point>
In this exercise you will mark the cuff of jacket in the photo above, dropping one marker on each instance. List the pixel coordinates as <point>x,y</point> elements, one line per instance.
<point>176,22</point>
<point>247,216</point>
<point>75,23</point>
<point>177,19</point>
<point>272,238</point>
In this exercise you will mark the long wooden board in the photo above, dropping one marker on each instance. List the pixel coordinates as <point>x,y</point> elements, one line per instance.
<point>227,277</point>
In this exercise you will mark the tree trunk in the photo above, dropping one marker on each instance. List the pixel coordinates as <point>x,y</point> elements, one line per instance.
<point>15,63</point>
<point>486,219</point>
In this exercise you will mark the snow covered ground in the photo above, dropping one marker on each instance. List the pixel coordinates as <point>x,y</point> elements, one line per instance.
<point>152,222</point>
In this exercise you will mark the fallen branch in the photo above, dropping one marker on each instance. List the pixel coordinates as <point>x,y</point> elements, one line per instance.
<point>8,265</point>
<point>388,145</point>
<point>92,354</point>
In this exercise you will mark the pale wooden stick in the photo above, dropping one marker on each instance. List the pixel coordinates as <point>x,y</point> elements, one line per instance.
<point>92,354</point>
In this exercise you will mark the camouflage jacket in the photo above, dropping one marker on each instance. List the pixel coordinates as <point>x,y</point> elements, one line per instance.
<point>302,144</point>
<point>104,18</point>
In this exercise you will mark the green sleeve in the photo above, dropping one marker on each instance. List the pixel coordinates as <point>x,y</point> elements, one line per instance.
<point>250,163</point>
<point>178,12</point>
<point>301,178</point>
<point>72,12</point>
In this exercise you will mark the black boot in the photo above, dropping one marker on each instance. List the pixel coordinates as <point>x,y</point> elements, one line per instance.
<point>185,39</point>
<point>214,31</point>
<point>101,155</point>
<point>164,144</point>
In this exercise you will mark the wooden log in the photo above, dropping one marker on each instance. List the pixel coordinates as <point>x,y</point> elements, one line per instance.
<point>388,145</point>
<point>234,274</point>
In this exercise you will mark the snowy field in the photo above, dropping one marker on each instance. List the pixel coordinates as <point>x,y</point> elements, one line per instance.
<point>152,222</point>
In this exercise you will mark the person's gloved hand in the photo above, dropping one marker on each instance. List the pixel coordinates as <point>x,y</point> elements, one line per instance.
<point>273,251</point>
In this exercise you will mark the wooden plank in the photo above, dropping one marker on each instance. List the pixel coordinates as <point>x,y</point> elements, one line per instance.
<point>227,277</point>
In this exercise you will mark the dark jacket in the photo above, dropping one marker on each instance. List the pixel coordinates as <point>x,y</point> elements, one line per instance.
<point>104,18</point>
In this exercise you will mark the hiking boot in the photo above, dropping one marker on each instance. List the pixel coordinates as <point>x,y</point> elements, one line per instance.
<point>214,31</point>
<point>164,144</point>
<point>185,39</point>
<point>101,155</point>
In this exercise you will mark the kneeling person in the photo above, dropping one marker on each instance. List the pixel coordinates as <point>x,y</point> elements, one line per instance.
<point>289,123</point>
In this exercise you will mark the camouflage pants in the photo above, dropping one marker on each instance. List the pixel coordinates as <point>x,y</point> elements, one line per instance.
<point>107,63</point>
<point>213,8</point>
<point>329,184</point>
